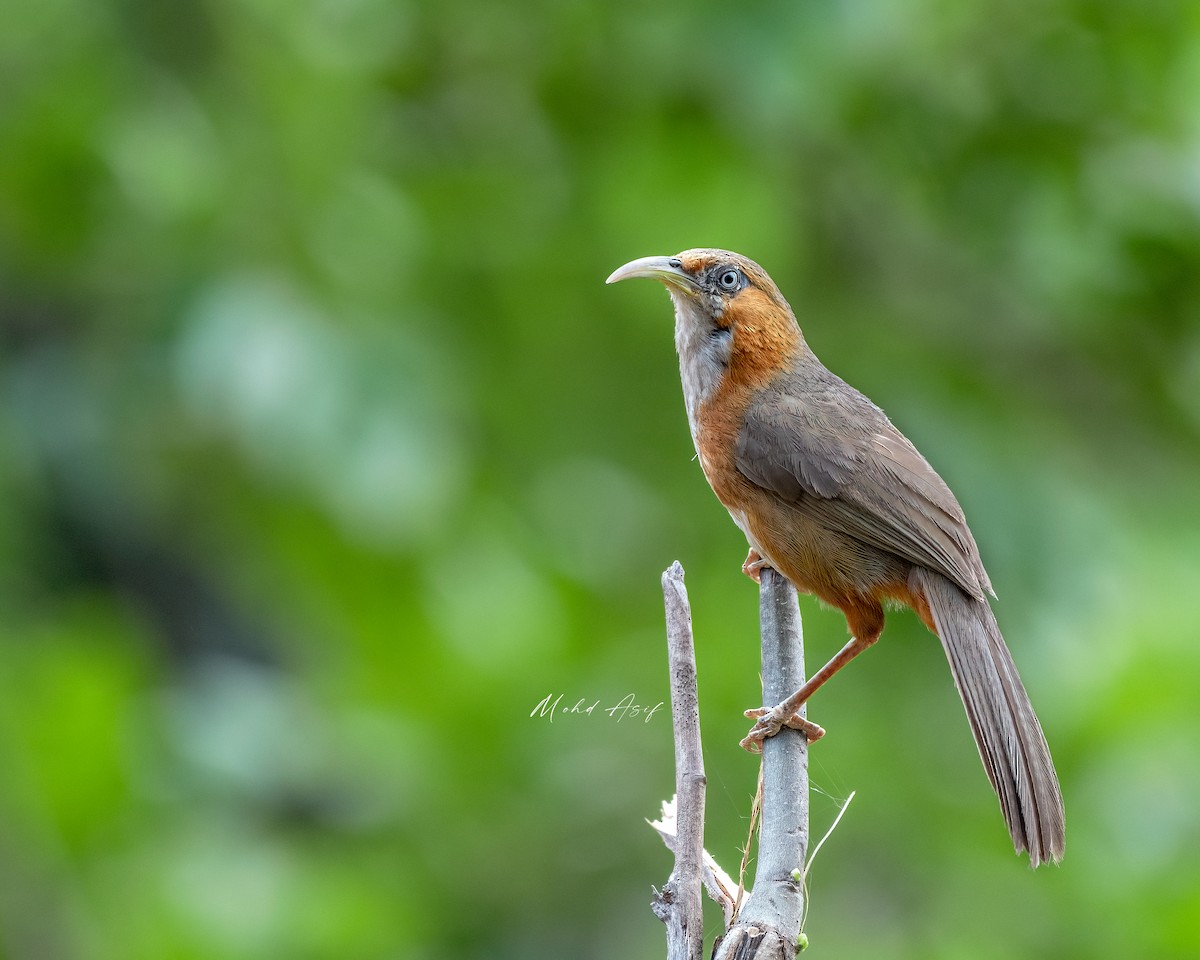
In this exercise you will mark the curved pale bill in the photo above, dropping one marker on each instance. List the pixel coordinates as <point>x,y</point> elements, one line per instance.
<point>667,269</point>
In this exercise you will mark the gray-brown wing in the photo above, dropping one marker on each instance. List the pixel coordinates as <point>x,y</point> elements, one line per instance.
<point>818,443</point>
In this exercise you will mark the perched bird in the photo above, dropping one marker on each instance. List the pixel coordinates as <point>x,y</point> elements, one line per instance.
<point>834,497</point>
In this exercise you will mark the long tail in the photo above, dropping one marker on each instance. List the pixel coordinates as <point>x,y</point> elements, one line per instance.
<point>1006,729</point>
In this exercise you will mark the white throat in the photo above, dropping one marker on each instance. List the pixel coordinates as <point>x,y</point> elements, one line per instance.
<point>703,350</point>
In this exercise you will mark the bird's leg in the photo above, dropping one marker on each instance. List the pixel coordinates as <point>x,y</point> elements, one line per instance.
<point>769,721</point>
<point>754,565</point>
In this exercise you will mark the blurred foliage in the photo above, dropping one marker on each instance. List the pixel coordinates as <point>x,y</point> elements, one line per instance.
<point>327,455</point>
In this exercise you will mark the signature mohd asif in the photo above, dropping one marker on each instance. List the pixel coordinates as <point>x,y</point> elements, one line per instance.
<point>627,708</point>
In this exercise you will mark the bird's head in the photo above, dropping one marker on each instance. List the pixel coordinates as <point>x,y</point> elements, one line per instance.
<point>731,321</point>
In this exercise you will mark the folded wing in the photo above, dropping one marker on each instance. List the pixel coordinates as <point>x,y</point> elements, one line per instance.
<point>803,439</point>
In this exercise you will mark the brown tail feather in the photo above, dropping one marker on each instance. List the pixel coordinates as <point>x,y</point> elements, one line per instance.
<point>1006,729</point>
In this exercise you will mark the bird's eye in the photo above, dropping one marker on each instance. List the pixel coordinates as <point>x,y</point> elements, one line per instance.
<point>729,279</point>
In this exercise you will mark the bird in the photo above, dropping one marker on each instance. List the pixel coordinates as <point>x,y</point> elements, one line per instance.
<point>833,496</point>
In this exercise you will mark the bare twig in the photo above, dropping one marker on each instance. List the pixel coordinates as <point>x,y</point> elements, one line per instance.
<point>751,830</point>
<point>678,904</point>
<point>828,833</point>
<point>768,925</point>
<point>719,885</point>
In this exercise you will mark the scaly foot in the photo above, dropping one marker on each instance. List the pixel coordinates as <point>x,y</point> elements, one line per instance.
<point>770,722</point>
<point>753,565</point>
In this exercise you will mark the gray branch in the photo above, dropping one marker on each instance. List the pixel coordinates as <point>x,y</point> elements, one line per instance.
<point>768,926</point>
<point>719,885</point>
<point>678,905</point>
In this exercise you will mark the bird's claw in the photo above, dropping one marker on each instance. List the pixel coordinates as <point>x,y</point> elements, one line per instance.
<point>753,565</point>
<point>769,722</point>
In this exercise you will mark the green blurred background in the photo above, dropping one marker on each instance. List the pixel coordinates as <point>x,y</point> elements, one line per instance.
<point>326,455</point>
